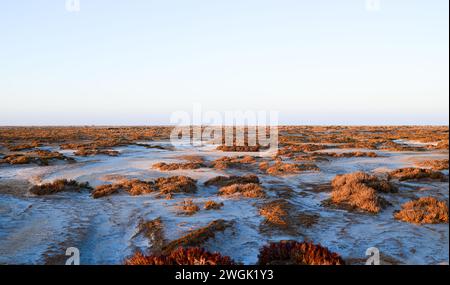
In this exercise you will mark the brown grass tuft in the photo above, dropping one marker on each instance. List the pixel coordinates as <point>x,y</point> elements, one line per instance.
<point>181,256</point>
<point>188,207</point>
<point>229,180</point>
<point>249,190</point>
<point>59,186</point>
<point>163,185</point>
<point>412,173</point>
<point>297,253</point>
<point>425,210</point>
<point>358,190</point>
<point>176,166</point>
<point>233,162</point>
<point>438,164</point>
<point>281,168</point>
<point>212,205</point>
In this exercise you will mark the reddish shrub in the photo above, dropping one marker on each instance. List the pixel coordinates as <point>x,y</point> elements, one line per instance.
<point>425,210</point>
<point>359,191</point>
<point>411,173</point>
<point>297,253</point>
<point>59,186</point>
<point>181,256</point>
<point>249,190</point>
<point>229,180</point>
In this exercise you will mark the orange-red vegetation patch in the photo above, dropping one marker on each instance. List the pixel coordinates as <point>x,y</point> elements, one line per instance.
<point>40,157</point>
<point>163,185</point>
<point>438,164</point>
<point>176,166</point>
<point>95,151</point>
<point>290,150</point>
<point>249,190</point>
<point>280,168</point>
<point>181,256</point>
<point>297,253</point>
<point>198,236</point>
<point>188,207</point>
<point>348,154</point>
<point>59,186</point>
<point>236,148</point>
<point>358,190</point>
<point>425,210</point>
<point>212,205</point>
<point>412,173</point>
<point>19,147</point>
<point>221,181</point>
<point>233,162</point>
<point>274,212</point>
<point>176,184</point>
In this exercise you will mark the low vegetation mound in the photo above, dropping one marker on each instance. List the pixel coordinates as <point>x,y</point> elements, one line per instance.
<point>248,190</point>
<point>39,157</point>
<point>163,185</point>
<point>95,151</point>
<point>425,210</point>
<point>212,205</point>
<point>187,207</point>
<point>233,162</point>
<point>360,190</point>
<point>280,168</point>
<point>438,164</point>
<point>221,181</point>
<point>181,256</point>
<point>297,253</point>
<point>412,173</point>
<point>59,186</point>
<point>177,166</point>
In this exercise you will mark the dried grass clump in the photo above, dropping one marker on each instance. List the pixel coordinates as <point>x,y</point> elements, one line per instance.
<point>20,147</point>
<point>297,253</point>
<point>95,151</point>
<point>221,181</point>
<point>236,148</point>
<point>281,168</point>
<point>163,185</point>
<point>40,157</point>
<point>359,191</point>
<point>212,205</point>
<point>348,154</point>
<point>181,256</point>
<point>188,207</point>
<point>290,150</point>
<point>438,164</point>
<point>14,159</point>
<point>59,186</point>
<point>425,210</point>
<point>249,190</point>
<point>176,166</point>
<point>152,146</point>
<point>274,212</point>
<point>411,173</point>
<point>442,144</point>
<point>176,184</point>
<point>105,190</point>
<point>198,236</point>
<point>233,162</point>
<point>371,181</point>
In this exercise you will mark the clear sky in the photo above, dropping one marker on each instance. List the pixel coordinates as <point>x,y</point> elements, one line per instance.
<point>136,61</point>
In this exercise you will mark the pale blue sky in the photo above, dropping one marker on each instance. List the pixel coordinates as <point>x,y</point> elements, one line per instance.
<point>136,61</point>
